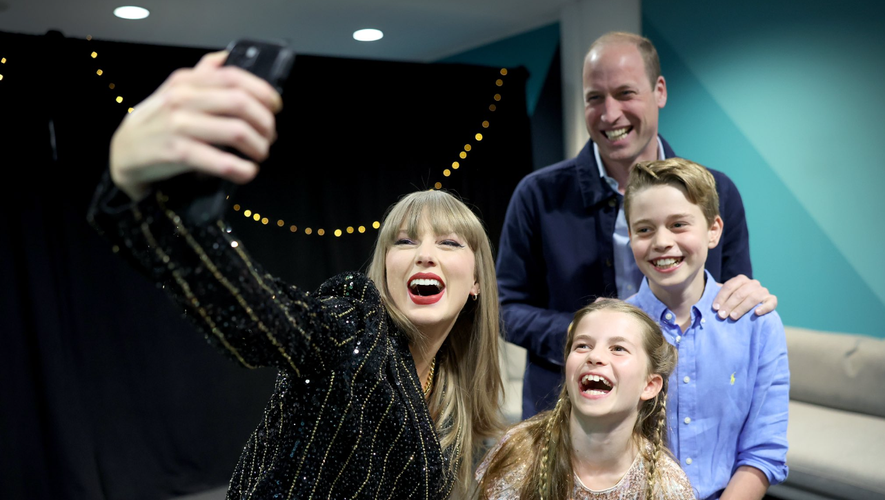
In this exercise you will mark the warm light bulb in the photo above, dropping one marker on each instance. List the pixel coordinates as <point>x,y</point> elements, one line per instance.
<point>131,12</point>
<point>367,35</point>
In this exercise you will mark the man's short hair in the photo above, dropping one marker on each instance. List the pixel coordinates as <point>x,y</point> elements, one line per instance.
<point>646,50</point>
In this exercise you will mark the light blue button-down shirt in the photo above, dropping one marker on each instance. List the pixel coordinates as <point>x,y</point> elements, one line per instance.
<point>627,273</point>
<point>728,397</point>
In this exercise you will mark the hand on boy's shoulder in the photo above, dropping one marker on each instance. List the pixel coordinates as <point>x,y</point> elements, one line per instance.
<point>741,294</point>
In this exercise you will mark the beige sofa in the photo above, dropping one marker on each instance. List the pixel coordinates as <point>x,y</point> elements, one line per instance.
<point>836,431</point>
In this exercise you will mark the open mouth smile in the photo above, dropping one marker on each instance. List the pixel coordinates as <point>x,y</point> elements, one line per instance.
<point>426,288</point>
<point>617,134</point>
<point>594,386</point>
<point>667,264</point>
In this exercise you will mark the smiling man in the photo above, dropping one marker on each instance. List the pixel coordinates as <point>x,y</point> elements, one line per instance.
<point>565,240</point>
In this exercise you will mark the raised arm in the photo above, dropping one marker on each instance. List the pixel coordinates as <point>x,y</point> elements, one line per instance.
<point>207,271</point>
<point>176,129</point>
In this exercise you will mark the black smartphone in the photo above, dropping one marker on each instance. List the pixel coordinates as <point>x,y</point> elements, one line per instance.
<point>270,61</point>
<point>203,197</point>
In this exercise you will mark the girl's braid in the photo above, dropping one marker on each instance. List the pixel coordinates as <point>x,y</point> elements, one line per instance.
<point>548,452</point>
<point>652,478</point>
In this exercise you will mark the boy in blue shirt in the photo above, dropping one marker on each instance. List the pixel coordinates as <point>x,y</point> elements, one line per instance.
<point>727,409</point>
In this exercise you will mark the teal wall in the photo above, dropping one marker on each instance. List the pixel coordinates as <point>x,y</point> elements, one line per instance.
<point>533,49</point>
<point>787,98</point>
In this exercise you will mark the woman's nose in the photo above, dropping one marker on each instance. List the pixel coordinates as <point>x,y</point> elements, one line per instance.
<point>424,255</point>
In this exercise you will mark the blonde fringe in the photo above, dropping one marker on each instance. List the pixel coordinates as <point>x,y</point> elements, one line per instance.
<point>465,405</point>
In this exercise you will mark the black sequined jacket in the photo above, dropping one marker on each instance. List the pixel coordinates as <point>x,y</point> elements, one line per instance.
<point>347,418</point>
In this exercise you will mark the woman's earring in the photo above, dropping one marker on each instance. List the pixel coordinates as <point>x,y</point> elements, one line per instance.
<point>475,296</point>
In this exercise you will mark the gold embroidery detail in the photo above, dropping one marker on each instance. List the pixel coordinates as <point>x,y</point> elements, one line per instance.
<point>185,288</point>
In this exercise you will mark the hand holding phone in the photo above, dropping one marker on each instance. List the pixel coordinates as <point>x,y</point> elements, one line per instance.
<point>267,60</point>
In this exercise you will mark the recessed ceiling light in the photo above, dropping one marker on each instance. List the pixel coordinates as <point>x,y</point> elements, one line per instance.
<point>367,35</point>
<point>131,12</point>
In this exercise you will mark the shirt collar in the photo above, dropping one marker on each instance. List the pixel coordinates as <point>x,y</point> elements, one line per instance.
<point>646,300</point>
<point>602,173</point>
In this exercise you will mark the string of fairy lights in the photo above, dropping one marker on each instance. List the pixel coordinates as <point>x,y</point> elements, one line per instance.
<point>356,229</point>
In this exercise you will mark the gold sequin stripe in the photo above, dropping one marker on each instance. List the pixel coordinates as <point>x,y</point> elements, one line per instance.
<point>264,445</point>
<point>354,447</point>
<point>414,415</point>
<point>359,438</point>
<point>412,493</point>
<point>243,484</point>
<point>396,481</point>
<point>384,466</point>
<point>313,433</point>
<point>251,449</point>
<point>277,388</point>
<point>389,348</point>
<point>379,378</point>
<point>273,295</point>
<point>339,316</point>
<point>372,450</point>
<point>339,343</point>
<point>254,479</point>
<point>186,289</point>
<point>331,442</point>
<point>179,227</point>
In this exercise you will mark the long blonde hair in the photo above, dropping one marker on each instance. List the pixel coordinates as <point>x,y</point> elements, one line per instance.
<point>465,404</point>
<point>546,437</point>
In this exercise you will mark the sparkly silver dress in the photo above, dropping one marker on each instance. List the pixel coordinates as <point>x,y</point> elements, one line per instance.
<point>347,418</point>
<point>674,483</point>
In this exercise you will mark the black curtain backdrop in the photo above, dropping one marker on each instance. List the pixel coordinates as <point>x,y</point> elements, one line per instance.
<point>105,391</point>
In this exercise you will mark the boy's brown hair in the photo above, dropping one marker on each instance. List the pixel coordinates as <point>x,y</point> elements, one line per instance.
<point>693,179</point>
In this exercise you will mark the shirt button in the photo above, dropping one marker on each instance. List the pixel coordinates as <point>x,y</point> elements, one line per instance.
<point>629,287</point>
<point>686,379</point>
<point>688,461</point>
<point>687,420</point>
<point>678,339</point>
<point>612,202</point>
<point>669,316</point>
<point>703,321</point>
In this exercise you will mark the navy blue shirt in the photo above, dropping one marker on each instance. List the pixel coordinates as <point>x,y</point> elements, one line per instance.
<point>556,255</point>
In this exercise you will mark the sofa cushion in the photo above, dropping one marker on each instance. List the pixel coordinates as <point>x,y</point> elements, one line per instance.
<point>836,453</point>
<point>512,370</point>
<point>836,370</point>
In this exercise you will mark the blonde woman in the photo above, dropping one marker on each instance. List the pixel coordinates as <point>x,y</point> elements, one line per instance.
<point>388,382</point>
<point>605,439</point>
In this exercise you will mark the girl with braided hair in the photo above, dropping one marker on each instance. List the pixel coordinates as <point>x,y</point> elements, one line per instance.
<point>605,439</point>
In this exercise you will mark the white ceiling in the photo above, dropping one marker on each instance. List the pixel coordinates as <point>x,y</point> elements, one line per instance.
<point>414,30</point>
